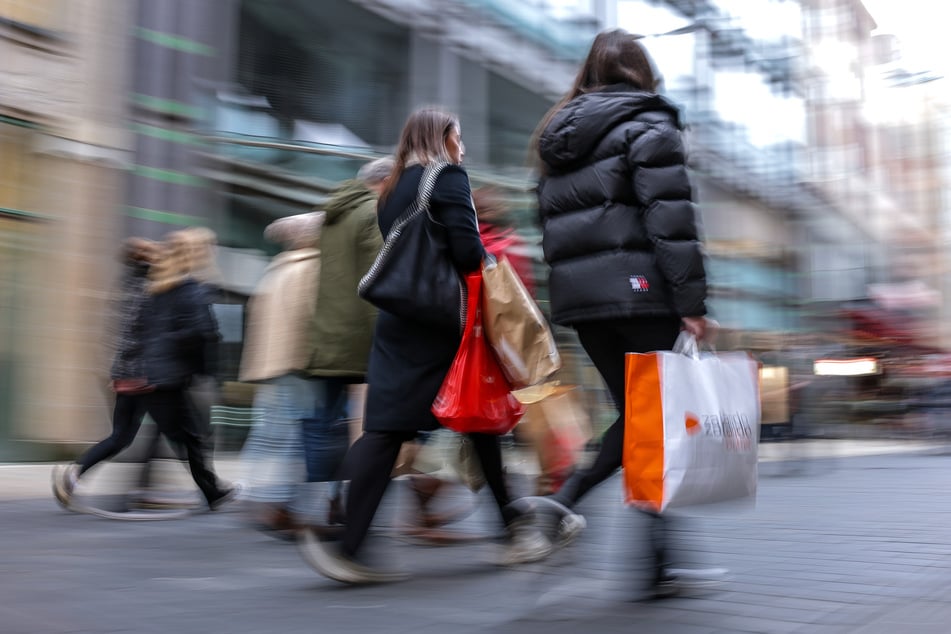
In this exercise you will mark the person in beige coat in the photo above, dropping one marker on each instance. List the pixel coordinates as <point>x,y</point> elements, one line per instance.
<point>277,348</point>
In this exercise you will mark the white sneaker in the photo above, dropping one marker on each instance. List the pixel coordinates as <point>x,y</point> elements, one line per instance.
<point>683,581</point>
<point>698,577</point>
<point>64,483</point>
<point>326,558</point>
<point>569,528</point>
<point>526,544</point>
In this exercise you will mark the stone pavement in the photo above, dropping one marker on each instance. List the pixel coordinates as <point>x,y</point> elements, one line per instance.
<point>841,542</point>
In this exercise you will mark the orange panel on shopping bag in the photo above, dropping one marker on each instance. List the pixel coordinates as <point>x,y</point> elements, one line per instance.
<point>643,458</point>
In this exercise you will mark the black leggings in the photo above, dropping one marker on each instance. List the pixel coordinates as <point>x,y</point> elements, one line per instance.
<point>369,463</point>
<point>127,417</point>
<point>177,419</point>
<point>606,343</point>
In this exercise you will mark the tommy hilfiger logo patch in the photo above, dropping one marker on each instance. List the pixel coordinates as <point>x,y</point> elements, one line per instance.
<point>639,284</point>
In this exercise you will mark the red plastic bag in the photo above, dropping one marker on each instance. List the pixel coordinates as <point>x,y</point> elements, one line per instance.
<point>475,396</point>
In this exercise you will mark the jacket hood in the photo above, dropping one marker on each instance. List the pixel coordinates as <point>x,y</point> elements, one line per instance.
<point>289,257</point>
<point>577,128</point>
<point>348,196</point>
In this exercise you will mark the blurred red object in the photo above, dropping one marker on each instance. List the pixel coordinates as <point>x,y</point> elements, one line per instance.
<point>475,397</point>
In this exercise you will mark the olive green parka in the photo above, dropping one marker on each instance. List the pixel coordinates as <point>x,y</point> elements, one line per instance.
<point>344,323</point>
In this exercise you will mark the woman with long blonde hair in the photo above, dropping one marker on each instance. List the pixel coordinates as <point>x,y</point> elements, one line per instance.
<point>177,334</point>
<point>410,358</point>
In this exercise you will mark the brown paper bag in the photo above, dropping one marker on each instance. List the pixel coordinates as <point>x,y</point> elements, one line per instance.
<point>558,427</point>
<point>515,327</point>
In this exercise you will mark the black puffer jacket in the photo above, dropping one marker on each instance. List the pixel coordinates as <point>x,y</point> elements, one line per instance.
<point>620,229</point>
<point>178,326</point>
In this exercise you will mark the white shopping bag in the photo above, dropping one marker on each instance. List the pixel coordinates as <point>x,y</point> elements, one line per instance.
<point>691,428</point>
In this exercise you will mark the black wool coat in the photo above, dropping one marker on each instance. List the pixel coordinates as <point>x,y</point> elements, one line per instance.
<point>409,359</point>
<point>619,227</point>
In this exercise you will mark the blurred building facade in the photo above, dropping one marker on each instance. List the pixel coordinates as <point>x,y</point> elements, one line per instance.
<point>226,114</point>
<point>63,152</point>
<point>138,118</point>
<point>878,149</point>
<point>909,109</point>
<point>736,71</point>
<point>816,214</point>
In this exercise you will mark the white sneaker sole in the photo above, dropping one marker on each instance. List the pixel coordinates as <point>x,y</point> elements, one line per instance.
<point>528,550</point>
<point>315,553</point>
<point>687,578</point>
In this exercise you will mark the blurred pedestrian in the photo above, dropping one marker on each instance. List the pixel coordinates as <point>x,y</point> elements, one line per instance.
<point>501,239</point>
<point>179,328</point>
<point>499,235</point>
<point>278,341</point>
<point>619,232</point>
<point>202,243</point>
<point>199,245</point>
<point>127,373</point>
<point>342,323</point>
<point>409,360</point>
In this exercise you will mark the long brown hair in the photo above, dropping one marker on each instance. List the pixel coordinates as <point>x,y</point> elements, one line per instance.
<point>616,57</point>
<point>423,141</point>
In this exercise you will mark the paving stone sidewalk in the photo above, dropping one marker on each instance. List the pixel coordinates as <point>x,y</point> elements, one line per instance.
<point>834,545</point>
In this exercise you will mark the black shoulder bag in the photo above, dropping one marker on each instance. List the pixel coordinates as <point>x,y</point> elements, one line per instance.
<point>413,276</point>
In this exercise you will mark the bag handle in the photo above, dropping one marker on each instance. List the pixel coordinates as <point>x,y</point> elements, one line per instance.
<point>688,345</point>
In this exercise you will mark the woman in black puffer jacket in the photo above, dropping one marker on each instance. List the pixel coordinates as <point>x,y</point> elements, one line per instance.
<point>620,230</point>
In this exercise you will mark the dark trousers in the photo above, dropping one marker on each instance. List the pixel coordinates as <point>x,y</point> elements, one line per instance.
<point>200,407</point>
<point>606,343</point>
<point>370,462</point>
<point>127,415</point>
<point>326,435</point>
<point>175,418</point>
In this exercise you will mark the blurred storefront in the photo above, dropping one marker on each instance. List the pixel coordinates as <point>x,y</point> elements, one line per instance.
<point>62,151</point>
<point>315,91</point>
<point>229,114</point>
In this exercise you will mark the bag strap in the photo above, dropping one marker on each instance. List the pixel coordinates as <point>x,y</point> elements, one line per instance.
<point>427,183</point>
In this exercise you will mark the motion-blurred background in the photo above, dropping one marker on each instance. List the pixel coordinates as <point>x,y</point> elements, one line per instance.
<point>819,135</point>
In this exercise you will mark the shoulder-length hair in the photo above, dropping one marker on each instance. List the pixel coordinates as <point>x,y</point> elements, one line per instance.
<point>186,253</point>
<point>422,141</point>
<point>616,57</point>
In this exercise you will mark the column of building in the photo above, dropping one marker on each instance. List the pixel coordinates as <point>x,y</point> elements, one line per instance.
<point>65,63</point>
